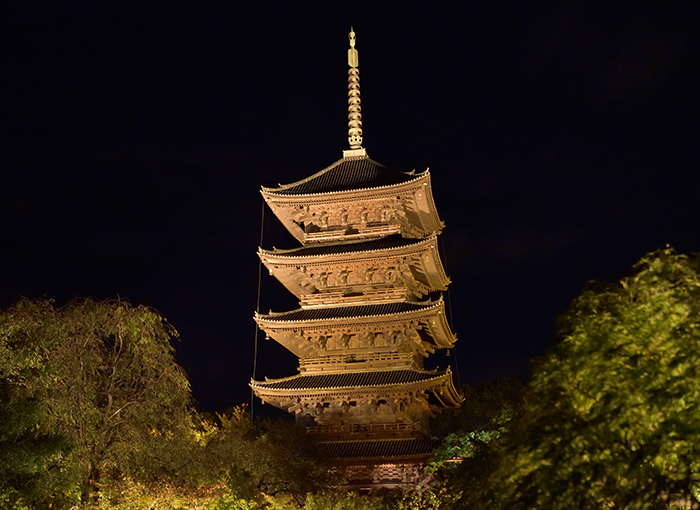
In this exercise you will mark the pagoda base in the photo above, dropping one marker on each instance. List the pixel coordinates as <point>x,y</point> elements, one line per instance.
<point>374,476</point>
<point>381,463</point>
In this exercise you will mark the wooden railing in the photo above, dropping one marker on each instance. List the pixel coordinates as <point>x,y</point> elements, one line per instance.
<point>360,298</point>
<point>361,232</point>
<point>373,361</point>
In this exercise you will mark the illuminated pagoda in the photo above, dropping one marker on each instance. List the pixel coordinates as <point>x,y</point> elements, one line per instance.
<point>364,275</point>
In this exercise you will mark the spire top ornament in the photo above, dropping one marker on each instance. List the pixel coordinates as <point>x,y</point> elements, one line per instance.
<point>354,109</point>
<point>352,52</point>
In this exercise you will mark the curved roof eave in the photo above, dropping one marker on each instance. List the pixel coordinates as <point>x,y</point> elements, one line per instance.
<point>281,192</point>
<point>422,307</point>
<point>291,253</point>
<point>266,386</point>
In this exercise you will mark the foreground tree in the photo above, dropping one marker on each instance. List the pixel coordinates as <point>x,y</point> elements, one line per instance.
<point>470,439</point>
<point>262,460</point>
<point>614,417</point>
<point>34,469</point>
<point>103,378</point>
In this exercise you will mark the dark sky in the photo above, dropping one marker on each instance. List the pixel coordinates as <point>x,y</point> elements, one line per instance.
<point>562,140</point>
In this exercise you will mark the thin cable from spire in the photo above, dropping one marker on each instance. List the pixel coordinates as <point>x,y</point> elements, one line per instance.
<point>354,109</point>
<point>441,244</point>
<point>257,310</point>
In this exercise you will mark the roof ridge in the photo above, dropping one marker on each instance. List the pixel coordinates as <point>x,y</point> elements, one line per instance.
<point>435,371</point>
<point>362,171</point>
<point>321,172</point>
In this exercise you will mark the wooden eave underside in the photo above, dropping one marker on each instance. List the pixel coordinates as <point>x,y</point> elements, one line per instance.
<point>417,459</point>
<point>290,334</point>
<point>423,217</point>
<point>427,272</point>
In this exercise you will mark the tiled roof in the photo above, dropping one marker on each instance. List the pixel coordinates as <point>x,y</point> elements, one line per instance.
<point>388,242</point>
<point>348,380</point>
<point>344,175</point>
<point>344,312</point>
<point>378,448</point>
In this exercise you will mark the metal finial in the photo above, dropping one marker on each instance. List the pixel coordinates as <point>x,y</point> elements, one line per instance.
<point>354,110</point>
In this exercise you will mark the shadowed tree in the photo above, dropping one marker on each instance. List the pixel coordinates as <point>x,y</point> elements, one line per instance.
<point>34,469</point>
<point>470,437</point>
<point>277,459</point>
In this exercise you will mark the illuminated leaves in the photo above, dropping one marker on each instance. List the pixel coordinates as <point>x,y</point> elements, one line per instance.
<point>102,374</point>
<point>615,417</point>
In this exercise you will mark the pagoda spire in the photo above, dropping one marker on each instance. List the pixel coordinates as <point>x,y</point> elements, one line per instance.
<point>354,109</point>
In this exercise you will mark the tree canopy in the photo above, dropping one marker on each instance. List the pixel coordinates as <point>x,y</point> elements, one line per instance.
<point>96,413</point>
<point>467,455</point>
<point>261,459</point>
<point>614,416</point>
<point>101,380</point>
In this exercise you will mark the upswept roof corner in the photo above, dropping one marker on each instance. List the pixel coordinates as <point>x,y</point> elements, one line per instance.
<point>438,382</point>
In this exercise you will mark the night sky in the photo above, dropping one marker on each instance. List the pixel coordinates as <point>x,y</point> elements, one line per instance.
<point>562,139</point>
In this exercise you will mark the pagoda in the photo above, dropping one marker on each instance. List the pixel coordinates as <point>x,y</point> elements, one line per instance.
<point>367,277</point>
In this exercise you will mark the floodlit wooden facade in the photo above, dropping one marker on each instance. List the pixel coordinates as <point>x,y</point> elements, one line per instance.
<point>364,276</point>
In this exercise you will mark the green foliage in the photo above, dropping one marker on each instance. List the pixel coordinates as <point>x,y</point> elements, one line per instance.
<point>34,467</point>
<point>614,417</point>
<point>96,413</point>
<point>229,502</point>
<point>341,500</point>
<point>436,498</point>
<point>258,461</point>
<point>489,406</point>
<point>471,436</point>
<point>102,381</point>
<point>129,494</point>
<point>397,499</point>
<point>458,446</point>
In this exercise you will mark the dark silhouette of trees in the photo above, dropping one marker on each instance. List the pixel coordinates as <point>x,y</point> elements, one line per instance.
<point>470,437</point>
<point>270,458</point>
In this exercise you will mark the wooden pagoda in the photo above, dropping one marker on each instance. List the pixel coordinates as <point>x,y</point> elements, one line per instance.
<point>364,275</point>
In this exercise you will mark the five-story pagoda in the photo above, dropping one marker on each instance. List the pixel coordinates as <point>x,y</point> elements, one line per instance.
<point>364,273</point>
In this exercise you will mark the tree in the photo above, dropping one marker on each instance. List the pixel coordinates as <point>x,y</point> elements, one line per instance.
<point>470,436</point>
<point>614,416</point>
<point>487,406</point>
<point>32,456</point>
<point>103,376</point>
<point>259,460</point>
<point>346,500</point>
